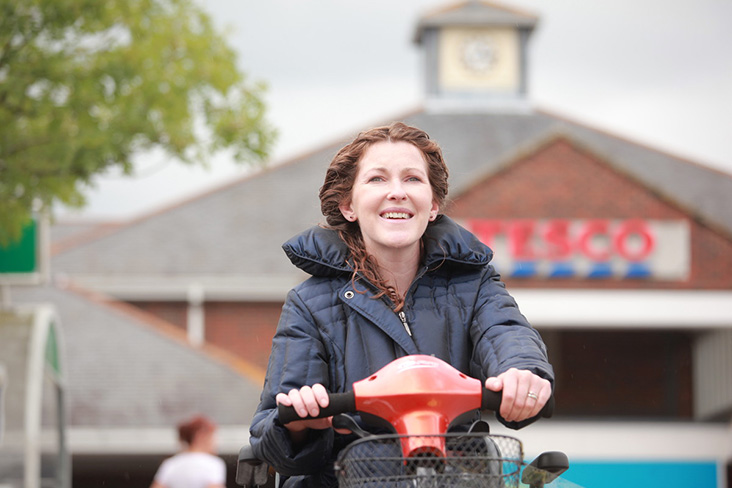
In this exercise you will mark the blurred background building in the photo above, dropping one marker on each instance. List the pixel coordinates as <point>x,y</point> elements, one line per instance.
<point>619,253</point>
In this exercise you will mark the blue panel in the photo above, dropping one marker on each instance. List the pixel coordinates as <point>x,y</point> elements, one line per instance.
<point>638,271</point>
<point>524,269</point>
<point>601,270</point>
<point>642,474</point>
<point>562,270</point>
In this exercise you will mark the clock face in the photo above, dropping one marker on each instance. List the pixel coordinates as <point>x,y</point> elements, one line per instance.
<point>478,53</point>
<point>479,60</point>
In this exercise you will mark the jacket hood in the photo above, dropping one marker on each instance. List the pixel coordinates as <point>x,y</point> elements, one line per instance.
<point>321,252</point>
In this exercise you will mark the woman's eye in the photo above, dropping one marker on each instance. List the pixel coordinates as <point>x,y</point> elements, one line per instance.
<point>376,178</point>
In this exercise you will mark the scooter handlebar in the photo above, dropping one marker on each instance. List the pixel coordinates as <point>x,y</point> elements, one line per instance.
<point>338,403</point>
<point>492,401</point>
<point>346,403</point>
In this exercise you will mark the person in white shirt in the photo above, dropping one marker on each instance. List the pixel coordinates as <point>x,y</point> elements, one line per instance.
<point>197,465</point>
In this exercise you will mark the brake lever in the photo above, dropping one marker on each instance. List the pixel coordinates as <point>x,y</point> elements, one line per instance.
<point>343,421</point>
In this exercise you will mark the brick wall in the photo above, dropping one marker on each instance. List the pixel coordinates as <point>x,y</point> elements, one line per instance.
<point>245,329</point>
<point>175,313</point>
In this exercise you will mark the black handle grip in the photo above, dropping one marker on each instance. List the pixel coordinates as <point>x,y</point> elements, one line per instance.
<point>346,403</point>
<point>492,401</point>
<point>339,403</point>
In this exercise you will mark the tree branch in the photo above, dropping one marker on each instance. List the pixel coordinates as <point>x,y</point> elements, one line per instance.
<point>7,52</point>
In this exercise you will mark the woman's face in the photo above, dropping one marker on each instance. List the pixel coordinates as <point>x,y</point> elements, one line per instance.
<point>207,441</point>
<point>391,198</point>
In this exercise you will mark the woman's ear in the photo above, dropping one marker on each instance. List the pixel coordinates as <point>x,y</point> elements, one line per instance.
<point>347,211</point>
<point>434,211</point>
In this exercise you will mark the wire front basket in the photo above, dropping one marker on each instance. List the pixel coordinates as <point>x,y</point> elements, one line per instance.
<point>469,460</point>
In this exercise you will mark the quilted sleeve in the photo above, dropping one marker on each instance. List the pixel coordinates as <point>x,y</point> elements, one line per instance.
<point>297,358</point>
<point>503,338</point>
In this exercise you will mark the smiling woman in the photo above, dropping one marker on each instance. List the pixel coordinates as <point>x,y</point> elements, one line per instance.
<point>390,277</point>
<point>392,202</point>
<point>387,159</point>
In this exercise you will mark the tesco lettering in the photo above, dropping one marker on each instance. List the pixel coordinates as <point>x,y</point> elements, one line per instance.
<point>561,239</point>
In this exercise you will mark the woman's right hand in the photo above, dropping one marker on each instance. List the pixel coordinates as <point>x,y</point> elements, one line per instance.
<point>306,401</point>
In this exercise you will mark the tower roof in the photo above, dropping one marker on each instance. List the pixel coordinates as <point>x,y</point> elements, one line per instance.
<point>474,13</point>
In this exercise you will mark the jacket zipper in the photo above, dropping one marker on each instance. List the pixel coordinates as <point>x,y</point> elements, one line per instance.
<point>401,314</point>
<point>403,318</point>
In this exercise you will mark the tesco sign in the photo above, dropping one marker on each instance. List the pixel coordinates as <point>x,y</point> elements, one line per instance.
<point>595,248</point>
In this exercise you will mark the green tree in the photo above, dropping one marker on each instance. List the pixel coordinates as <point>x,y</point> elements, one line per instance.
<point>87,84</point>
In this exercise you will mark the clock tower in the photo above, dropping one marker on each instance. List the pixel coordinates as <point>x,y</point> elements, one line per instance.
<point>475,57</point>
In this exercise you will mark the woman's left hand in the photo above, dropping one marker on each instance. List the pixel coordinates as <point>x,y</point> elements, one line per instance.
<point>524,393</point>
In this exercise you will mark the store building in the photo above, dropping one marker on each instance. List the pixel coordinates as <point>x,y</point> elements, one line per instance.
<point>619,253</point>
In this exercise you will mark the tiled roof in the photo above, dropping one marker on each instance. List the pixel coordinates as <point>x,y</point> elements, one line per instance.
<point>238,230</point>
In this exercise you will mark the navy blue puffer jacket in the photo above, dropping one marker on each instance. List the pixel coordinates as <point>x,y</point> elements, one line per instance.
<point>334,334</point>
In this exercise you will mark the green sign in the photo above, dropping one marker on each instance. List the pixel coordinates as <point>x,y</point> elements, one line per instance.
<point>21,256</point>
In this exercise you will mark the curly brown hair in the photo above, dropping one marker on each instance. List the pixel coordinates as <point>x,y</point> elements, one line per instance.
<point>338,184</point>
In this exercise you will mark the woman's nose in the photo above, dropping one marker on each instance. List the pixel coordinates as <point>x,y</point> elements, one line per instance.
<point>396,192</point>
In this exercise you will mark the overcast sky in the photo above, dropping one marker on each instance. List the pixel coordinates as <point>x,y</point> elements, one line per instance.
<point>653,71</point>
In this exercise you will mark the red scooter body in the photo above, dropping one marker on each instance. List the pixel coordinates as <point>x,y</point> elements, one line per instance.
<point>420,396</point>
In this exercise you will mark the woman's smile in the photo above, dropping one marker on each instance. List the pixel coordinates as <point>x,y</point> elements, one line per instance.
<point>396,214</point>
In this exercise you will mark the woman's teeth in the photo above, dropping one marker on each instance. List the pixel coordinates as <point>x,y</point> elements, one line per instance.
<point>395,215</point>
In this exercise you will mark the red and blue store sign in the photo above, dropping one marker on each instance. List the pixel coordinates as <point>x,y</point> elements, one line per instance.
<point>587,248</point>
